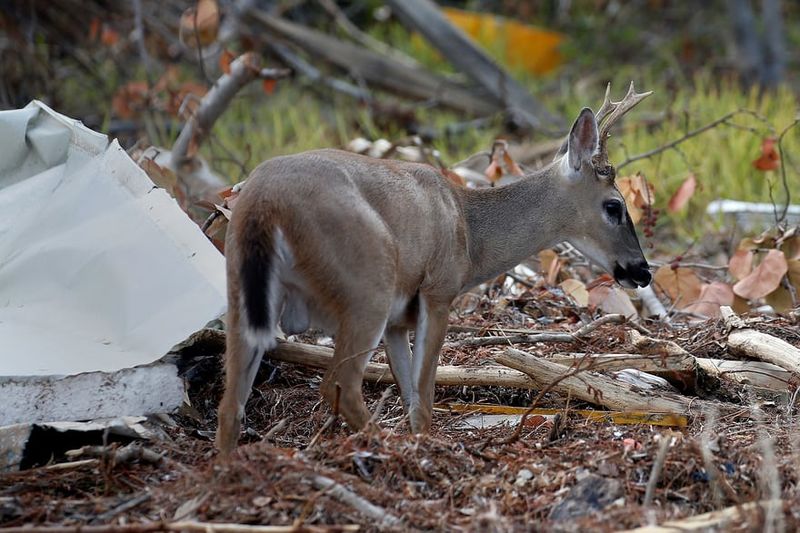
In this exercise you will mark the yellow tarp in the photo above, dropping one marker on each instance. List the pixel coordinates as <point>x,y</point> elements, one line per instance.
<point>533,49</point>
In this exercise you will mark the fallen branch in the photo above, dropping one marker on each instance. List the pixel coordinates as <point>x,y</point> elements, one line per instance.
<point>321,357</point>
<point>761,346</point>
<point>204,185</point>
<point>748,514</point>
<point>375,69</point>
<point>384,518</point>
<point>596,388</point>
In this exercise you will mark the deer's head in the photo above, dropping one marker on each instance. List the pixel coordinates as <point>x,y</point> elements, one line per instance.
<point>594,213</point>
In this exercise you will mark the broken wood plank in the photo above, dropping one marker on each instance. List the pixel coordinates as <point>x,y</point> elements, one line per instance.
<point>599,389</point>
<point>751,514</point>
<point>374,68</point>
<point>425,17</point>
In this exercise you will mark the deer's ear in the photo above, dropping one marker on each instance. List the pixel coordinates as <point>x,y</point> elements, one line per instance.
<point>583,138</point>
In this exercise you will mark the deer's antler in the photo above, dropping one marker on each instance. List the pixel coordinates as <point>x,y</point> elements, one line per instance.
<point>610,113</point>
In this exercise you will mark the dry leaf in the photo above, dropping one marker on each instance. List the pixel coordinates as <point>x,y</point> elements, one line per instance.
<point>765,278</point>
<point>576,290</point>
<point>161,176</point>
<point>130,99</point>
<point>638,194</point>
<point>109,36</point>
<point>741,263</point>
<point>200,24</point>
<point>550,265</point>
<point>612,300</point>
<point>793,273</point>
<point>683,194</point>
<point>712,296</point>
<point>681,284</point>
<point>780,300</point>
<point>791,247</point>
<point>770,159</point>
<point>268,86</point>
<point>501,163</point>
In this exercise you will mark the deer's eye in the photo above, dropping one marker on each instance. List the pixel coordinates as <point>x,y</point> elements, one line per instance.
<point>613,209</point>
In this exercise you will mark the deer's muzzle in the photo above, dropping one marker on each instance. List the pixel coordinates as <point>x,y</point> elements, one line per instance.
<point>633,275</point>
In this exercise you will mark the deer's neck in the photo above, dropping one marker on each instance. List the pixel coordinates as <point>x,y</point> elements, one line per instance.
<point>507,224</point>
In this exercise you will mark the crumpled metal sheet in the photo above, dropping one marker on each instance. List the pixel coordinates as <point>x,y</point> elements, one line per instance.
<point>101,270</point>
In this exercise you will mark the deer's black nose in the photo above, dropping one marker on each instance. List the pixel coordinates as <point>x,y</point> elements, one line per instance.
<point>633,275</point>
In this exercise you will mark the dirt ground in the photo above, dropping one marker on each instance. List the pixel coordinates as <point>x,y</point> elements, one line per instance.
<point>558,473</point>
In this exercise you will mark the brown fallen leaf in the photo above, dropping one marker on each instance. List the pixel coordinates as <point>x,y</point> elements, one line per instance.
<point>712,296</point>
<point>576,290</point>
<point>793,273</point>
<point>741,263</point>
<point>612,300</point>
<point>780,300</point>
<point>683,194</point>
<point>550,265</point>
<point>765,278</point>
<point>681,285</point>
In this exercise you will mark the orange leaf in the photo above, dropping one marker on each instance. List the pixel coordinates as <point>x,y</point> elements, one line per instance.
<point>681,284</point>
<point>269,86</point>
<point>225,59</point>
<point>512,165</point>
<point>109,36</point>
<point>712,296</point>
<point>741,264</point>
<point>765,278</point>
<point>94,28</point>
<point>770,159</point>
<point>683,194</point>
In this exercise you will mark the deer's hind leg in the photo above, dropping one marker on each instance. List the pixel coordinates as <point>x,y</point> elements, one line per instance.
<point>356,341</point>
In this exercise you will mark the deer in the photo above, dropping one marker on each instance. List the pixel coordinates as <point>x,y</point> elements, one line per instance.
<point>368,249</point>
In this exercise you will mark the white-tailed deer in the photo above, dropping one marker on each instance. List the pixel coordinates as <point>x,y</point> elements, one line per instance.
<point>368,249</point>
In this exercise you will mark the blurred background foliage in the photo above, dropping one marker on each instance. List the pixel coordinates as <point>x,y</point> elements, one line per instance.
<point>703,60</point>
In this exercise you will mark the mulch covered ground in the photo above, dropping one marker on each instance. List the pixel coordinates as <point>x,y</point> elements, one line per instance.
<point>567,473</point>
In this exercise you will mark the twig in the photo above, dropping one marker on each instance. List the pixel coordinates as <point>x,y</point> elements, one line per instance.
<point>323,429</point>
<point>121,508</point>
<point>783,170</point>
<point>694,133</point>
<point>658,466</point>
<point>379,406</point>
<point>126,454</point>
<point>277,428</point>
<point>363,506</point>
<point>549,337</point>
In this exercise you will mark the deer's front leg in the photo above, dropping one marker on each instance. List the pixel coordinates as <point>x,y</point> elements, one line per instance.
<point>430,333</point>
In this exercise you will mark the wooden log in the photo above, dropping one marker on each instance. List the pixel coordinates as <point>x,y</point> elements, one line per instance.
<point>321,357</point>
<point>425,17</point>
<point>749,373</point>
<point>750,514</point>
<point>747,342</point>
<point>652,363</point>
<point>374,68</point>
<point>596,388</point>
